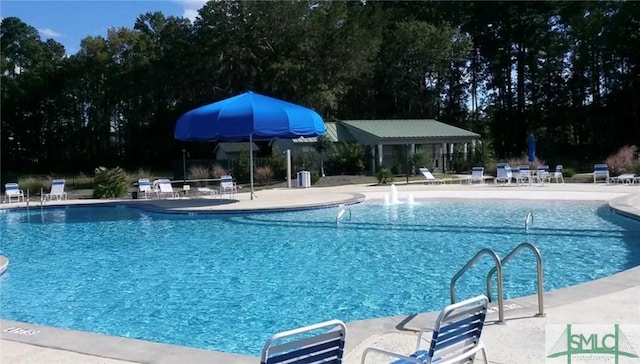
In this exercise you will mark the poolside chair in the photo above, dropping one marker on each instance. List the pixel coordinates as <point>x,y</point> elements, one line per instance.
<point>626,178</point>
<point>477,175</point>
<point>227,186</point>
<point>203,191</point>
<point>429,177</point>
<point>503,174</point>
<point>524,175</point>
<point>57,190</point>
<point>144,188</point>
<point>600,171</point>
<point>455,338</point>
<point>11,191</point>
<point>164,188</point>
<point>542,174</point>
<point>319,343</point>
<point>557,175</point>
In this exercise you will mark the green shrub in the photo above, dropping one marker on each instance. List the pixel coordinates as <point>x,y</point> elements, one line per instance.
<point>348,158</point>
<point>384,175</point>
<point>241,168</point>
<point>109,182</point>
<point>315,177</point>
<point>568,172</point>
<point>277,162</point>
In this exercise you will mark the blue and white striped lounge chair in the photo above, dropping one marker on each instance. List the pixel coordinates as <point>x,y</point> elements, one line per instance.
<point>557,175</point>
<point>57,190</point>
<point>144,188</point>
<point>477,175</point>
<point>11,191</point>
<point>318,343</point>
<point>227,186</point>
<point>455,338</point>
<point>503,174</point>
<point>600,171</point>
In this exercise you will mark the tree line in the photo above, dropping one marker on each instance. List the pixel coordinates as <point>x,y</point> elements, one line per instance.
<point>566,72</point>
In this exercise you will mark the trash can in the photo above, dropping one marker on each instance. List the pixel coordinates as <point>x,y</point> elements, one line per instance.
<point>134,195</point>
<point>303,179</point>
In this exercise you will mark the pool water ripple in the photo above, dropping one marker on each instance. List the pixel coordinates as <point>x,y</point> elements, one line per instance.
<point>229,282</point>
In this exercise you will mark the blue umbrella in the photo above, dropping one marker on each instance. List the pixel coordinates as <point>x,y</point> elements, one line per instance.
<point>532,148</point>
<point>248,117</point>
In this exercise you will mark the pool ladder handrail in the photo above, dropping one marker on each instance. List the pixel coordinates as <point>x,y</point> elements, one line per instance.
<point>470,263</point>
<point>498,269</point>
<point>342,213</point>
<point>539,268</point>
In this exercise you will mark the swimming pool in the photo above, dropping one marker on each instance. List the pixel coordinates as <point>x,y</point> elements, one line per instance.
<point>228,282</point>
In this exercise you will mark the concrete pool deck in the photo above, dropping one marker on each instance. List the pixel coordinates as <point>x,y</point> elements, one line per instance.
<point>610,300</point>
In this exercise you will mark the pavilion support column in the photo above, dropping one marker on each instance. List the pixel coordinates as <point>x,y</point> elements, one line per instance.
<point>374,167</point>
<point>443,151</point>
<point>380,154</point>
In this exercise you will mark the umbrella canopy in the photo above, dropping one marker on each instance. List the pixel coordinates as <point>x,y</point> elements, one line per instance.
<point>248,117</point>
<point>532,148</point>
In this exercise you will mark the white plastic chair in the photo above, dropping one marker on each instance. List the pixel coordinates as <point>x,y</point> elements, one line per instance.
<point>227,186</point>
<point>557,175</point>
<point>11,191</point>
<point>57,190</point>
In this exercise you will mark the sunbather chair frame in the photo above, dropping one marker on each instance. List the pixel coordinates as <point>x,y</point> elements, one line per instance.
<point>557,175</point>
<point>145,189</point>
<point>477,175</point>
<point>455,338</point>
<point>227,186</point>
<point>503,174</point>
<point>429,178</point>
<point>12,190</point>
<point>323,347</point>
<point>600,171</point>
<point>165,188</point>
<point>57,190</point>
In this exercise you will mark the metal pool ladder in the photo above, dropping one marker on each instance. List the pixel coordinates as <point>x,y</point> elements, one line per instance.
<point>498,269</point>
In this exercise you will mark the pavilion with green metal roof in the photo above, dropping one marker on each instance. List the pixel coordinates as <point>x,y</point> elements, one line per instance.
<point>387,138</point>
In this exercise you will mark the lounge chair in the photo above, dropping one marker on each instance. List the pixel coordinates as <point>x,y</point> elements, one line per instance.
<point>477,175</point>
<point>626,178</point>
<point>429,177</point>
<point>557,175</point>
<point>542,174</point>
<point>503,174</point>
<point>11,191</point>
<point>319,343</point>
<point>600,171</point>
<point>57,190</point>
<point>144,188</point>
<point>524,175</point>
<point>164,188</point>
<point>455,338</point>
<point>203,191</point>
<point>227,186</point>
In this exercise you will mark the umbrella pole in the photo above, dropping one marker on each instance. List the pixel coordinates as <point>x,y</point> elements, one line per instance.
<point>251,163</point>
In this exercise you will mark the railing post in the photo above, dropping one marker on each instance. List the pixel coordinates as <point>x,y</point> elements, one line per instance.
<point>498,268</point>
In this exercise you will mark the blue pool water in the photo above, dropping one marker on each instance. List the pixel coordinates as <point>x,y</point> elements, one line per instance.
<point>228,282</point>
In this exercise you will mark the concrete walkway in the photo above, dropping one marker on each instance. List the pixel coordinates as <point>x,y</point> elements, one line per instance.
<point>610,300</point>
